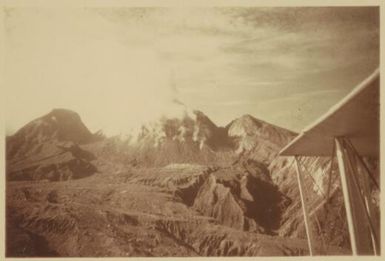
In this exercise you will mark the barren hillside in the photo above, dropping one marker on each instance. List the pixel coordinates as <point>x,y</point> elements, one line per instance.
<point>183,187</point>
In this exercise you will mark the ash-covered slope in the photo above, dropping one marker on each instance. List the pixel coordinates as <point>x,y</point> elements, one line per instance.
<point>48,148</point>
<point>327,218</point>
<point>242,187</point>
<point>57,126</point>
<point>193,138</point>
<point>260,142</point>
<point>258,139</point>
<point>251,189</point>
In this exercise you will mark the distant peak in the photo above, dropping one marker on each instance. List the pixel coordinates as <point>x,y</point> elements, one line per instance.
<point>62,110</point>
<point>59,124</point>
<point>249,118</point>
<point>59,112</point>
<point>199,115</point>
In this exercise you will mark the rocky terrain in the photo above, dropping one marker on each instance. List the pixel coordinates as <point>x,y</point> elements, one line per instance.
<point>181,187</point>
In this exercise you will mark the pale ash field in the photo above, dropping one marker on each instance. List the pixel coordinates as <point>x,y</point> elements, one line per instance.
<point>183,187</point>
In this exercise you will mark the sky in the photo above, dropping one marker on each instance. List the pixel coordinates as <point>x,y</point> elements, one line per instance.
<point>121,67</point>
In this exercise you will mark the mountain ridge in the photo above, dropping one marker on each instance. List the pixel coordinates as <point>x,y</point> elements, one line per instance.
<point>230,176</point>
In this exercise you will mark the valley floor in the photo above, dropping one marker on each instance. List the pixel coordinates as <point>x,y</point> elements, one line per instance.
<point>135,212</point>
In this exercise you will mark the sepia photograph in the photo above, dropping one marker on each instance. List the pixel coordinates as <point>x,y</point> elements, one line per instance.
<point>191,131</point>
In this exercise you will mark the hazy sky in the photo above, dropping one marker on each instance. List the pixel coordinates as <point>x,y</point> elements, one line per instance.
<point>119,67</point>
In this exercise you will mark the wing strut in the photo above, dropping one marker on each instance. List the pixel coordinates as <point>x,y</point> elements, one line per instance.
<point>304,207</point>
<point>363,238</point>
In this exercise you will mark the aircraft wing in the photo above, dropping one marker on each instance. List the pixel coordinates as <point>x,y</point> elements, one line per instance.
<point>355,117</point>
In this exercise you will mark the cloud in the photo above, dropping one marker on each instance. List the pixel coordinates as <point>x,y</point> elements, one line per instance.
<point>303,96</point>
<point>235,103</point>
<point>75,59</point>
<point>119,67</point>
